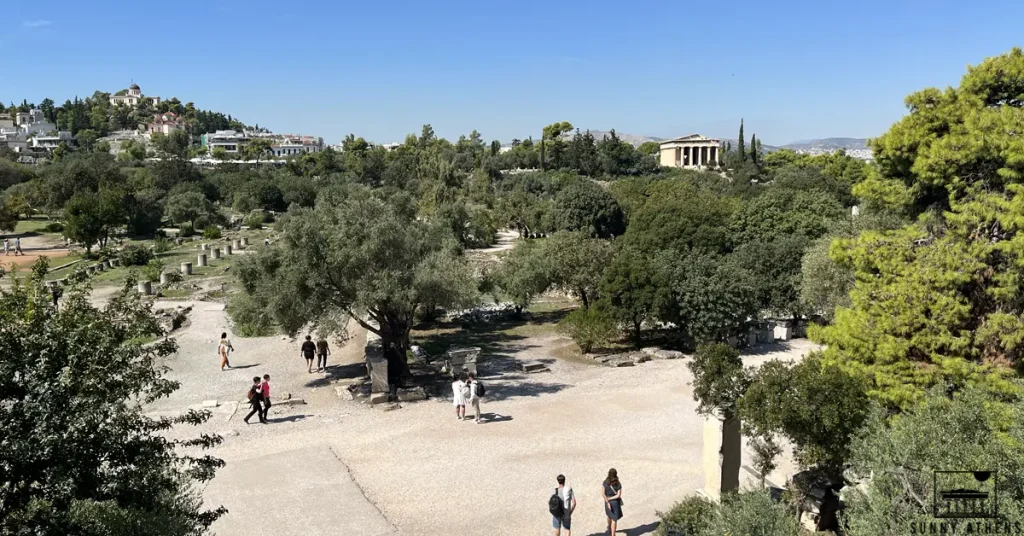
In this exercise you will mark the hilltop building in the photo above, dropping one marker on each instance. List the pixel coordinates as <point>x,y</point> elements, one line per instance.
<point>164,123</point>
<point>281,145</point>
<point>691,152</point>
<point>132,97</point>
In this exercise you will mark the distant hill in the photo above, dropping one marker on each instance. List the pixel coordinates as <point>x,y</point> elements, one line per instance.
<point>832,144</point>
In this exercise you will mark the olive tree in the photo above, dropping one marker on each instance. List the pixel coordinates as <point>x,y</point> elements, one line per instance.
<point>363,256</point>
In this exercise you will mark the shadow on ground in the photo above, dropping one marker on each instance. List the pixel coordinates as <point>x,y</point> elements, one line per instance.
<point>337,372</point>
<point>635,531</point>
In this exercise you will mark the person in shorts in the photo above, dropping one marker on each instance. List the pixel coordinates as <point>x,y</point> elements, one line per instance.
<point>308,351</point>
<point>568,504</point>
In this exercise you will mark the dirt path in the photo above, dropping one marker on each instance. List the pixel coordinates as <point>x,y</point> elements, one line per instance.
<point>429,474</point>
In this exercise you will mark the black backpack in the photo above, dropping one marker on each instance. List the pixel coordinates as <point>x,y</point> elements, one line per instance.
<point>480,391</point>
<point>555,505</point>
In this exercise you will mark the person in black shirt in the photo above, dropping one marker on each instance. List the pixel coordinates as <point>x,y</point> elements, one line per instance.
<point>255,401</point>
<point>309,352</point>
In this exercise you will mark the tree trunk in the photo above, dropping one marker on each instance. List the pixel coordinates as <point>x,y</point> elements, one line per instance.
<point>636,332</point>
<point>583,298</point>
<point>394,335</point>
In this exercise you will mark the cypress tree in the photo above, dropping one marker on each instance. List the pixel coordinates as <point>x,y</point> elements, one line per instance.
<point>753,149</point>
<point>740,148</point>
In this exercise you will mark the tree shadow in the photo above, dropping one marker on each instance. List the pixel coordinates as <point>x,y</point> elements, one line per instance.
<point>766,348</point>
<point>338,372</point>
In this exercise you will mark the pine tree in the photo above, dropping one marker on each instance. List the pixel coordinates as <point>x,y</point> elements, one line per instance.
<point>740,148</point>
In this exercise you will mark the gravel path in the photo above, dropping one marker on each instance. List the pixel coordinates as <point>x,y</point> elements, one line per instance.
<point>429,474</point>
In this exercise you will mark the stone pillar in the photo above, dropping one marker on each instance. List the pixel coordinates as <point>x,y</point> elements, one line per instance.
<point>227,249</point>
<point>216,253</point>
<point>236,244</point>
<point>186,268</point>
<point>115,262</point>
<point>204,247</point>
<point>106,264</point>
<point>245,241</point>
<point>699,161</point>
<point>721,456</point>
<point>165,278</point>
<point>146,288</point>
<point>201,260</point>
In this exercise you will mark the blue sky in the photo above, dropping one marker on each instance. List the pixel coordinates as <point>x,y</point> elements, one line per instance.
<point>381,69</point>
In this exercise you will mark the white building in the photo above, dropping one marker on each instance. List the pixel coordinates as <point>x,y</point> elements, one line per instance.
<point>30,117</point>
<point>288,145</point>
<point>132,97</point>
<point>50,142</point>
<point>693,152</point>
<point>164,124</point>
<point>229,140</point>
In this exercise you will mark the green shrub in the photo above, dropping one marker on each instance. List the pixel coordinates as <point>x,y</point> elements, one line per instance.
<point>588,328</point>
<point>268,217</point>
<point>692,516</point>
<point>254,220</point>
<point>54,227</point>
<point>753,513</point>
<point>719,379</point>
<point>133,255</point>
<point>202,222</point>
<point>152,270</point>
<point>174,276</point>
<point>211,233</point>
<point>186,230</point>
<point>249,318</point>
<point>161,244</point>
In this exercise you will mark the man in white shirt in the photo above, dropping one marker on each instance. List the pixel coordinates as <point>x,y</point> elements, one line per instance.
<point>568,504</point>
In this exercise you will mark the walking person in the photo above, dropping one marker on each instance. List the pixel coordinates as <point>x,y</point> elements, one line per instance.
<point>459,392</point>
<point>223,349</point>
<point>322,351</point>
<point>255,401</point>
<point>611,490</point>
<point>476,392</point>
<point>17,246</point>
<point>561,506</point>
<point>265,391</point>
<point>308,350</point>
<point>7,246</point>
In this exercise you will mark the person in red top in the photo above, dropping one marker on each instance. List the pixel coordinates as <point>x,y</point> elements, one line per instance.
<point>265,390</point>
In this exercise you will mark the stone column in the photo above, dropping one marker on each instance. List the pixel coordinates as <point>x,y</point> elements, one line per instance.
<point>201,260</point>
<point>204,247</point>
<point>689,155</point>
<point>145,288</point>
<point>216,253</point>
<point>165,278</point>
<point>227,249</point>
<point>245,241</point>
<point>236,244</point>
<point>186,268</point>
<point>721,456</point>
<point>700,160</point>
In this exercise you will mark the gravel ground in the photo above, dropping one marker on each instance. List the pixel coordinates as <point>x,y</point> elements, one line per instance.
<point>429,474</point>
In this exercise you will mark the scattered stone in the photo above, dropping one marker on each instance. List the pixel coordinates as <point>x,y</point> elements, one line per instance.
<point>624,363</point>
<point>290,402</point>
<point>228,433</point>
<point>658,353</point>
<point>411,395</point>
<point>349,381</point>
<point>378,398</point>
<point>210,403</point>
<point>389,407</point>
<point>534,366</point>
<point>285,395</point>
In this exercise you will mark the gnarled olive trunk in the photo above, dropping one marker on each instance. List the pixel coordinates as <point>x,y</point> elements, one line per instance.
<point>394,335</point>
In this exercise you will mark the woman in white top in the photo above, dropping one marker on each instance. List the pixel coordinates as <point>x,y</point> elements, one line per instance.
<point>223,349</point>
<point>460,391</point>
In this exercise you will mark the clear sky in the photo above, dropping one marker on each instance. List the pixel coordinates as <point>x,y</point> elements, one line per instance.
<point>381,69</point>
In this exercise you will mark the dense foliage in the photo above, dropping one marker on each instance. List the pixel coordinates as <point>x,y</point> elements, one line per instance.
<point>78,455</point>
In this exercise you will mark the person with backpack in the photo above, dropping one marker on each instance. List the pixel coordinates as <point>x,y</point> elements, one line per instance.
<point>561,506</point>
<point>255,396</point>
<point>476,392</point>
<point>265,391</point>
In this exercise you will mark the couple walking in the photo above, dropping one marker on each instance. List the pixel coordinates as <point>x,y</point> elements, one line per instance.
<point>17,246</point>
<point>259,398</point>
<point>467,388</point>
<point>563,502</point>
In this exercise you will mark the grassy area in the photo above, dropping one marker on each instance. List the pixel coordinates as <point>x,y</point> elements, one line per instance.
<point>31,226</point>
